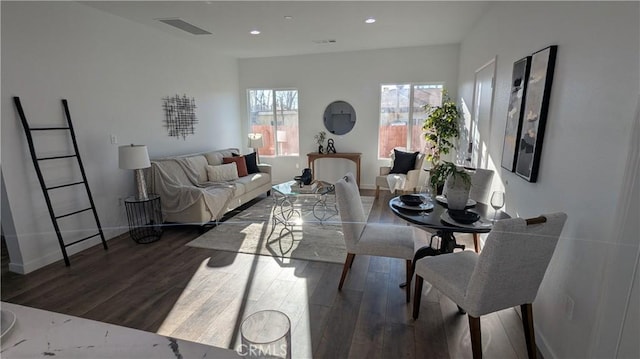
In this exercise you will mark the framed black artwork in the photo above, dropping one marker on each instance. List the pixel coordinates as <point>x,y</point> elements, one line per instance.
<point>515,112</point>
<point>536,107</point>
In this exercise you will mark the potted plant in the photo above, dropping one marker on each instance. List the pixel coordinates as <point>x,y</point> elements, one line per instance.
<point>457,182</point>
<point>440,128</point>
<point>320,140</point>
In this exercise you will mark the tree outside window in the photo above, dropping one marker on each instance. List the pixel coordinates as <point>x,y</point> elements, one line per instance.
<point>402,115</point>
<point>274,114</point>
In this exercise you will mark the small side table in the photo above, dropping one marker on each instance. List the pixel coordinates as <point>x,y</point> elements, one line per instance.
<point>145,218</point>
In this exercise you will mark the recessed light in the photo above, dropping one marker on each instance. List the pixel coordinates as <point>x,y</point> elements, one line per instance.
<point>288,17</point>
<point>370,20</point>
<point>254,32</point>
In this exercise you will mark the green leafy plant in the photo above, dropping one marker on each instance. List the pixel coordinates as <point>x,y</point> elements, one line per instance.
<point>440,172</point>
<point>440,127</point>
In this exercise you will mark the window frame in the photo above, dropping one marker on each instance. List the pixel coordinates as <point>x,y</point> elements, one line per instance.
<point>410,119</point>
<point>274,110</point>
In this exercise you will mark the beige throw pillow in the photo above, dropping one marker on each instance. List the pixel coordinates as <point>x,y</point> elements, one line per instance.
<point>226,172</point>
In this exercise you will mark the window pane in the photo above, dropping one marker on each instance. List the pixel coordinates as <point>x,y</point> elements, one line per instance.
<point>394,118</point>
<point>274,114</point>
<point>261,119</point>
<point>422,95</point>
<point>287,137</point>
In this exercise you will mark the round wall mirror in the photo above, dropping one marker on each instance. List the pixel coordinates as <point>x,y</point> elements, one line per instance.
<point>339,117</point>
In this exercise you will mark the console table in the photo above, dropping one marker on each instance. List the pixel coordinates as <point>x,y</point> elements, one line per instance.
<point>355,157</point>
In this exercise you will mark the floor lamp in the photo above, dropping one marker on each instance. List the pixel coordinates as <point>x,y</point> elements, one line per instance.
<point>255,142</point>
<point>135,157</point>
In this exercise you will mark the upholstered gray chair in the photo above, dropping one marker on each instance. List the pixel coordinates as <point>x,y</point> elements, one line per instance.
<point>375,239</point>
<point>480,187</point>
<point>507,273</point>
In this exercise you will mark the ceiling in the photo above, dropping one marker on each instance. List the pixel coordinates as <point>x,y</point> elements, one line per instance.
<point>311,26</point>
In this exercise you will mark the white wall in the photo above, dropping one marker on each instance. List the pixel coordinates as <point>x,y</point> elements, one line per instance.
<point>114,74</point>
<point>354,77</point>
<point>586,143</point>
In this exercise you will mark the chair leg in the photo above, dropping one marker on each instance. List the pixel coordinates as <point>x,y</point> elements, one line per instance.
<point>476,337</point>
<point>527,324</point>
<point>377,191</point>
<point>409,267</point>
<point>352,258</point>
<point>347,265</point>
<point>476,241</point>
<point>417,296</point>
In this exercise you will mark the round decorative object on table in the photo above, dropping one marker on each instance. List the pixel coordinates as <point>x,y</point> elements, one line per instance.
<point>7,321</point>
<point>266,334</point>
<point>145,218</point>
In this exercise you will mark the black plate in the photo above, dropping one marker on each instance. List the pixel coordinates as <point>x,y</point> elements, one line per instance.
<point>411,199</point>
<point>464,216</point>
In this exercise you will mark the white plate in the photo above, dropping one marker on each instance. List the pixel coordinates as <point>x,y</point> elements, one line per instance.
<point>442,199</point>
<point>7,320</point>
<point>396,202</point>
<point>481,223</point>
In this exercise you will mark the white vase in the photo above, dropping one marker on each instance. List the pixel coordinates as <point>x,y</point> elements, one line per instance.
<point>457,192</point>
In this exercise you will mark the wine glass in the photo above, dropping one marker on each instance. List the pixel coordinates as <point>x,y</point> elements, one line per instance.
<point>497,202</point>
<point>425,195</point>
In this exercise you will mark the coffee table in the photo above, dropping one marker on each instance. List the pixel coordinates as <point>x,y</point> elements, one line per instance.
<point>285,195</point>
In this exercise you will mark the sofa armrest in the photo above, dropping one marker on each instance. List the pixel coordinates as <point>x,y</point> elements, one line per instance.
<point>384,170</point>
<point>264,168</point>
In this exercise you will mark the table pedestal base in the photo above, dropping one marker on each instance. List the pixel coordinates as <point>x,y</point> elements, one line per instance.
<point>447,245</point>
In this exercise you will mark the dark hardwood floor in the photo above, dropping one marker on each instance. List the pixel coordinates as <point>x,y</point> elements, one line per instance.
<point>202,295</point>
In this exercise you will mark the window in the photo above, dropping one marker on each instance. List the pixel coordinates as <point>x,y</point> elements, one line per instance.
<point>402,115</point>
<point>274,114</point>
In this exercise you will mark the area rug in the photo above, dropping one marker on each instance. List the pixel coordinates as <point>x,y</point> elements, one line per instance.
<point>253,231</point>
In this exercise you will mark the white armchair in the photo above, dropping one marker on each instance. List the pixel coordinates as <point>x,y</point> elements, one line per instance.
<point>404,182</point>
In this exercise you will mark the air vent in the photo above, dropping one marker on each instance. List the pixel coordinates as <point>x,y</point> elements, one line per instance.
<point>185,26</point>
<point>324,41</point>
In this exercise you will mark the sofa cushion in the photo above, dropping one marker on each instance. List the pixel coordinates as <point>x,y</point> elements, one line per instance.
<point>214,158</point>
<point>199,165</point>
<point>225,172</point>
<point>251,161</point>
<point>254,181</point>
<point>239,161</point>
<point>403,162</point>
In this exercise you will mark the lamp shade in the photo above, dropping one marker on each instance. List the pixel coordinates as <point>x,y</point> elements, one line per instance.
<point>255,140</point>
<point>133,157</point>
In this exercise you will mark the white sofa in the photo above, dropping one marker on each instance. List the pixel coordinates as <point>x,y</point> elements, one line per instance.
<point>188,197</point>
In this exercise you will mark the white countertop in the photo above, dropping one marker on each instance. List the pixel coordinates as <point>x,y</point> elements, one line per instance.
<point>40,333</point>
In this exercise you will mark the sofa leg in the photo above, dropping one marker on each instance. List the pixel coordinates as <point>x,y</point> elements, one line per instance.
<point>268,193</point>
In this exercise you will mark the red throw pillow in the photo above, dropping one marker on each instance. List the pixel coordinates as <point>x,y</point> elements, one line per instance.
<point>240,163</point>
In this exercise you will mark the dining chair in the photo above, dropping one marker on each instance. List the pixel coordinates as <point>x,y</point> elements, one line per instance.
<point>374,239</point>
<point>480,187</point>
<point>507,273</point>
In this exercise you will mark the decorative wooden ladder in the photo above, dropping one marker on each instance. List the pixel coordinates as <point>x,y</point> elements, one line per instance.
<point>45,190</point>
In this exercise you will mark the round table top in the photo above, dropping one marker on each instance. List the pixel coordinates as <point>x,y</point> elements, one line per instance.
<point>432,218</point>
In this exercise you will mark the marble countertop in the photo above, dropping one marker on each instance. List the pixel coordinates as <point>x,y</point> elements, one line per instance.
<point>40,333</point>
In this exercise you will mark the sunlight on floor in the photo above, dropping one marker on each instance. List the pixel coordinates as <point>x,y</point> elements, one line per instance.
<point>219,298</point>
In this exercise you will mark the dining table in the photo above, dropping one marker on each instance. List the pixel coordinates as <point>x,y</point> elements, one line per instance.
<point>434,216</point>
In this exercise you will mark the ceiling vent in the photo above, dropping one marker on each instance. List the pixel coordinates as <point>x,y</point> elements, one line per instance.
<point>331,41</point>
<point>185,26</point>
